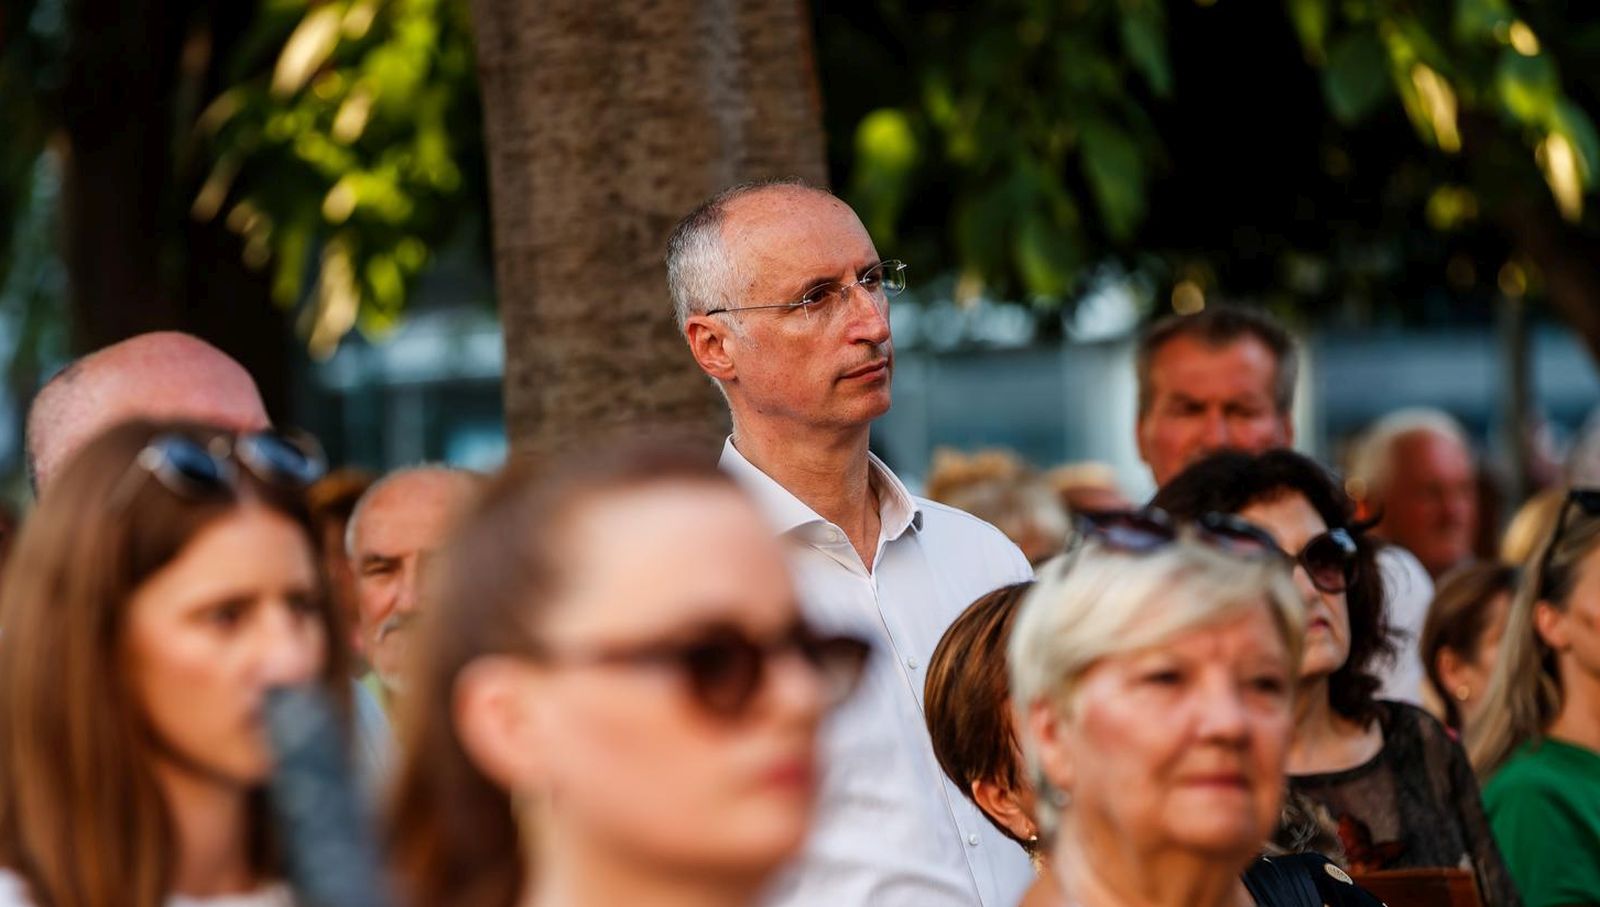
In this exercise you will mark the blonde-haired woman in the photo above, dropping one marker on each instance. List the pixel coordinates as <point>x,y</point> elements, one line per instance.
<point>1538,742</point>
<point>1153,673</point>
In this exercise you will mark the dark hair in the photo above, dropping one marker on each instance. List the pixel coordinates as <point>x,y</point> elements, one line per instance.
<point>1229,481</point>
<point>453,833</point>
<point>1458,618</point>
<point>82,818</point>
<point>967,697</point>
<point>1219,326</point>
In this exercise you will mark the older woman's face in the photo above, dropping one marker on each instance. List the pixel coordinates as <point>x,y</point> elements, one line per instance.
<point>1292,522</point>
<point>631,762</point>
<point>1180,745</point>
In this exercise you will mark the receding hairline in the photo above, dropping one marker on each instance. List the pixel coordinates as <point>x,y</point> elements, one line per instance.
<point>470,480</point>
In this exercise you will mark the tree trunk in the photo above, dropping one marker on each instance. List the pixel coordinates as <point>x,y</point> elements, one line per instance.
<point>606,123</point>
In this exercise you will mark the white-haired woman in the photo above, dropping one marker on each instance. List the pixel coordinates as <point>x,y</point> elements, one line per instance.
<point>1538,742</point>
<point>1153,672</point>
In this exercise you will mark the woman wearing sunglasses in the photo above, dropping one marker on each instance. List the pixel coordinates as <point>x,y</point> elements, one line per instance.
<point>1538,738</point>
<point>617,699</point>
<point>165,584</point>
<point>1398,788</point>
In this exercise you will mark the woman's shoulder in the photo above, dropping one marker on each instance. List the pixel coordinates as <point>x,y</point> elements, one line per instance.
<point>13,890</point>
<point>1405,725</point>
<point>1549,767</point>
<point>276,895</point>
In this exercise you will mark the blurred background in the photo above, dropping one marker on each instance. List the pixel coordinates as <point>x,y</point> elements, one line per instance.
<point>304,183</point>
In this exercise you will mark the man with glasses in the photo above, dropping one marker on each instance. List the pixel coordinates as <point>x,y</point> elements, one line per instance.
<point>784,302</point>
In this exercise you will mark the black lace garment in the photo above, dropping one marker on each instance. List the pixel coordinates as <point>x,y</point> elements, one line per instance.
<point>1414,804</point>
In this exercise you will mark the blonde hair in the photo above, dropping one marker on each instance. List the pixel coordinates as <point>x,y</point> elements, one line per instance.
<point>1097,602</point>
<point>1534,522</point>
<point>1525,692</point>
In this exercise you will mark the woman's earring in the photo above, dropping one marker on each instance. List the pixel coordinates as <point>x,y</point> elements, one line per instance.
<point>1062,799</point>
<point>1463,693</point>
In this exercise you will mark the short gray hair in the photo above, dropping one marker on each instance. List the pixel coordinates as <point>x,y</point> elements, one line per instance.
<point>700,275</point>
<point>1095,603</point>
<point>1372,459</point>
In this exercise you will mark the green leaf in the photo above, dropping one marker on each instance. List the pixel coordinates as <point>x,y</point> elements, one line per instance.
<point>1578,127</point>
<point>887,153</point>
<point>1356,78</point>
<point>1115,171</point>
<point>1477,20</point>
<point>1310,18</point>
<point>1145,43</point>
<point>1047,255</point>
<point>1528,87</point>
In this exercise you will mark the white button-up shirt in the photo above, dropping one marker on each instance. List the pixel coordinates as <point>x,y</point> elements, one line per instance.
<point>890,829</point>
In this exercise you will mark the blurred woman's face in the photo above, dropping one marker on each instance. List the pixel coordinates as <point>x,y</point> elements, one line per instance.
<point>1292,522</point>
<point>1180,745</point>
<point>234,614</point>
<point>1578,624</point>
<point>630,760</point>
<point>1475,668</point>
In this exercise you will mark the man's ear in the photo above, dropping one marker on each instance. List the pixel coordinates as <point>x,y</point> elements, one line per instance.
<point>709,344</point>
<point>493,710</point>
<point>1001,805</point>
<point>1551,625</point>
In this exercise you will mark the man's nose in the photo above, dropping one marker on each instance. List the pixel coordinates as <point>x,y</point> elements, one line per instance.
<point>1214,430</point>
<point>868,313</point>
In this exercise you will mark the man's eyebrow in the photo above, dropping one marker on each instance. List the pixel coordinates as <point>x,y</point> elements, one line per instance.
<point>803,288</point>
<point>374,558</point>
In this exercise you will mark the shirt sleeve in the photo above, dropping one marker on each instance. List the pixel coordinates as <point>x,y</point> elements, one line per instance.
<point>1551,845</point>
<point>1494,880</point>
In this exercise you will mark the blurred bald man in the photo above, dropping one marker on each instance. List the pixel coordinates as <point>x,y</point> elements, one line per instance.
<point>160,375</point>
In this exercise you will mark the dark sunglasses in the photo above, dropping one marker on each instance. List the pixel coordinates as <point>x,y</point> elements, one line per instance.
<point>190,469</point>
<point>1329,559</point>
<point>1588,500</point>
<point>725,667</point>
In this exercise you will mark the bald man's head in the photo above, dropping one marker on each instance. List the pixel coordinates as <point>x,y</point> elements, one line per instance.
<point>163,375</point>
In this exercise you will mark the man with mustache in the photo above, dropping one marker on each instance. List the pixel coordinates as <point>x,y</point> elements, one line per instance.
<point>784,302</point>
<point>396,526</point>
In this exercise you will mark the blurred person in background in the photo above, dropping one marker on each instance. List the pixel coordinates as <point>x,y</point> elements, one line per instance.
<point>160,375</point>
<point>1537,742</point>
<point>1416,476</point>
<point>1087,487</point>
<point>1531,527</point>
<point>1154,675</point>
<point>1461,640</point>
<point>165,583</point>
<point>996,486</point>
<point>618,701</point>
<point>784,302</point>
<point>1398,786</point>
<point>331,500</point>
<point>1224,379</point>
<point>394,531</point>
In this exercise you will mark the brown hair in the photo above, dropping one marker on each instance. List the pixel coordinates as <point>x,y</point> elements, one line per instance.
<point>967,697</point>
<point>82,819</point>
<point>1220,326</point>
<point>453,832</point>
<point>1457,620</point>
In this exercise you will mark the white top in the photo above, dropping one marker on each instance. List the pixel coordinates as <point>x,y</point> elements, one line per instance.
<point>14,893</point>
<point>1407,593</point>
<point>890,829</point>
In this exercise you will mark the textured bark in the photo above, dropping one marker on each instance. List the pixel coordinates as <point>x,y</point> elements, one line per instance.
<point>136,261</point>
<point>605,123</point>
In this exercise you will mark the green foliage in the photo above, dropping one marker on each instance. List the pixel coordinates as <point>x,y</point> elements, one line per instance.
<point>343,152</point>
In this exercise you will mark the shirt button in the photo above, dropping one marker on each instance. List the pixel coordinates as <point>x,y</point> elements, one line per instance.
<point>912,663</point>
<point>973,840</point>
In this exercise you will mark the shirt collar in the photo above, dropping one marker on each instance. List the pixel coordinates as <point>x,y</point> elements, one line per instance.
<point>897,509</point>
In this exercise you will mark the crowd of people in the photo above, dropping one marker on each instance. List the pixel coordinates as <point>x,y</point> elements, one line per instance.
<point>778,677</point>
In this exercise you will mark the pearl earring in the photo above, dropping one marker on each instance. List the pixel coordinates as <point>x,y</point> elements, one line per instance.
<point>1463,693</point>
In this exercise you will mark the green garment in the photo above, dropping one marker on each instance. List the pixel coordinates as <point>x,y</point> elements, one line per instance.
<point>1544,807</point>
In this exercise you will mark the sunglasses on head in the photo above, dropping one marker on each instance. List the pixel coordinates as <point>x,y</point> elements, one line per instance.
<point>1329,559</point>
<point>1587,500</point>
<point>725,667</point>
<point>194,470</point>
